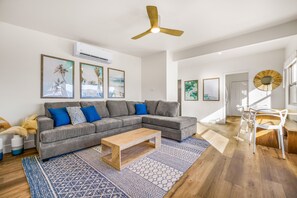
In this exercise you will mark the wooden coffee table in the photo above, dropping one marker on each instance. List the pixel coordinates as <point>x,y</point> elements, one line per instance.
<point>129,146</point>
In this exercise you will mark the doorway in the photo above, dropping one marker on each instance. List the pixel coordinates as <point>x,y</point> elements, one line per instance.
<point>237,93</point>
<point>179,95</point>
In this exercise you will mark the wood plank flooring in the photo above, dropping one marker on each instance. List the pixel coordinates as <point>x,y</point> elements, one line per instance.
<point>228,171</point>
<point>237,172</point>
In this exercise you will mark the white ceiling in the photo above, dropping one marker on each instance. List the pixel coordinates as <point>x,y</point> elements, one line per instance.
<point>277,44</point>
<point>111,23</point>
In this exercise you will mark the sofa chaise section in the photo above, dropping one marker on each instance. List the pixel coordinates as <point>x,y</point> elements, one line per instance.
<point>177,128</point>
<point>170,122</point>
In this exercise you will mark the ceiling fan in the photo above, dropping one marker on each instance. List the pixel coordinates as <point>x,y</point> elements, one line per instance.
<point>152,13</point>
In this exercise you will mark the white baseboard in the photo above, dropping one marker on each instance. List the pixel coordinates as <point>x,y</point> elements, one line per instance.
<point>27,144</point>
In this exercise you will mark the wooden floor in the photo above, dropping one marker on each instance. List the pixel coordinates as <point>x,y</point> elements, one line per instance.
<point>226,169</point>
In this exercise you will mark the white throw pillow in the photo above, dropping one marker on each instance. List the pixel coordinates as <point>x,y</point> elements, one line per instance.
<point>76,115</point>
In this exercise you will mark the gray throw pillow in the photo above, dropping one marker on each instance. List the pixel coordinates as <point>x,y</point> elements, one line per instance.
<point>151,106</point>
<point>76,115</point>
<point>170,109</point>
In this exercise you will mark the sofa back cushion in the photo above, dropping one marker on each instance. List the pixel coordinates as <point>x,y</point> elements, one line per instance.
<point>151,106</point>
<point>170,109</point>
<point>99,105</point>
<point>131,107</point>
<point>117,108</point>
<point>54,105</point>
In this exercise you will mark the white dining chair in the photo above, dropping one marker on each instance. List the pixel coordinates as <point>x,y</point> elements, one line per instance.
<point>281,115</point>
<point>247,118</point>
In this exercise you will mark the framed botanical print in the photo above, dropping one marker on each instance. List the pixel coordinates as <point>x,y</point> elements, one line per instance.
<point>191,90</point>
<point>211,89</point>
<point>91,81</point>
<point>116,83</point>
<point>57,77</point>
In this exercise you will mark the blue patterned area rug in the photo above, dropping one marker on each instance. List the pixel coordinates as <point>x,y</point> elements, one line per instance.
<point>83,174</point>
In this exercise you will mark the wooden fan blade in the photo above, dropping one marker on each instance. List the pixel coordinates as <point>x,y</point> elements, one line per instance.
<point>152,13</point>
<point>171,31</point>
<point>141,35</point>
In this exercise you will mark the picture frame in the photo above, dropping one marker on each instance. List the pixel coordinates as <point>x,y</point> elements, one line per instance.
<point>116,83</point>
<point>57,77</point>
<point>211,89</point>
<point>191,90</point>
<point>91,81</point>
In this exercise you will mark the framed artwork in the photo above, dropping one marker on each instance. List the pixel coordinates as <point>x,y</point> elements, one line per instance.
<point>191,90</point>
<point>211,89</point>
<point>91,81</point>
<point>57,77</point>
<point>116,83</point>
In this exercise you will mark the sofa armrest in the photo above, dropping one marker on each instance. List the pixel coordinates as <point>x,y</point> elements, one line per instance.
<point>44,123</point>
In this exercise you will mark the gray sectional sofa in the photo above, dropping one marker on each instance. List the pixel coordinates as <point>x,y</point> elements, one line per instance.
<point>117,117</point>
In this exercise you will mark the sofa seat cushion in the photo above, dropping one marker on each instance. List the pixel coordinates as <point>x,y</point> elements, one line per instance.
<point>66,132</point>
<point>130,120</point>
<point>170,122</point>
<point>107,124</point>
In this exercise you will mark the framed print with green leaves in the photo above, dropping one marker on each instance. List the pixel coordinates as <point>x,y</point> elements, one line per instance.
<point>191,90</point>
<point>57,77</point>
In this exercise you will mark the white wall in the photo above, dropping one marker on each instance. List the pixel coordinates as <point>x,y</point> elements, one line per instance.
<point>153,75</point>
<point>290,50</point>
<point>159,77</point>
<point>171,78</point>
<point>20,51</point>
<point>213,111</point>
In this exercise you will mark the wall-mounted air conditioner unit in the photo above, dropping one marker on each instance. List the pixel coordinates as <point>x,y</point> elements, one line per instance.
<point>90,52</point>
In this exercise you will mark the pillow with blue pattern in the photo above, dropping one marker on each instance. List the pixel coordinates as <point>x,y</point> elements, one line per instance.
<point>76,115</point>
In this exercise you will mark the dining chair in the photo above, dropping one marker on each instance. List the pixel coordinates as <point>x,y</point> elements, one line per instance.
<point>273,114</point>
<point>247,118</point>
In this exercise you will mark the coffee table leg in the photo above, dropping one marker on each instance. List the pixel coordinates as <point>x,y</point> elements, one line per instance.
<point>104,148</point>
<point>116,157</point>
<point>158,141</point>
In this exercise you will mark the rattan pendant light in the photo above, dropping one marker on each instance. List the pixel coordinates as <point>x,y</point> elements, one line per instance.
<point>267,80</point>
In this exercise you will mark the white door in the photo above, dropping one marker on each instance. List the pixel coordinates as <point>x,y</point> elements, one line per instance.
<point>238,96</point>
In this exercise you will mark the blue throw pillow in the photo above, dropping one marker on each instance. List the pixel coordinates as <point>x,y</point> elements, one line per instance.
<point>91,114</point>
<point>60,116</point>
<point>140,109</point>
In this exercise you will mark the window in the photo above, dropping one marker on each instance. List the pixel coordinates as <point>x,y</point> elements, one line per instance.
<point>292,79</point>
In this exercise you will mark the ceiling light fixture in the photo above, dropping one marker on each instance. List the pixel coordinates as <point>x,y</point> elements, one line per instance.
<point>220,53</point>
<point>155,30</point>
<point>152,13</point>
